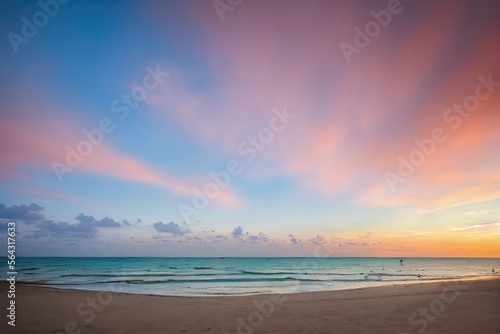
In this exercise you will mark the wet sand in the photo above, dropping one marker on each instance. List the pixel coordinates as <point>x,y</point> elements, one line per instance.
<point>457,306</point>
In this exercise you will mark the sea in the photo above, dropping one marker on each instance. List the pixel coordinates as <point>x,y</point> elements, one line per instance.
<point>239,276</point>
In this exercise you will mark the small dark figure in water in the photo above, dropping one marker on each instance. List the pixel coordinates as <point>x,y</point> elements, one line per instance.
<point>493,270</point>
<point>401,262</point>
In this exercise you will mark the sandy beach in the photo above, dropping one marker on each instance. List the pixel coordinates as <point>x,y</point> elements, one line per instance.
<point>457,306</point>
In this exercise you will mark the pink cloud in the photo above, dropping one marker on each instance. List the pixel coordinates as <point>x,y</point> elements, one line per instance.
<point>29,144</point>
<point>354,120</point>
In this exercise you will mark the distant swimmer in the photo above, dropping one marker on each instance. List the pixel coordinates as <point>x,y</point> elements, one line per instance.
<point>493,270</point>
<point>401,262</point>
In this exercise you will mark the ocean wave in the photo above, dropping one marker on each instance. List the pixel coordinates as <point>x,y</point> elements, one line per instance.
<point>150,274</point>
<point>26,269</point>
<point>249,272</point>
<point>141,281</point>
<point>243,275</point>
<point>391,275</point>
<point>215,280</point>
<point>226,280</point>
<point>56,265</point>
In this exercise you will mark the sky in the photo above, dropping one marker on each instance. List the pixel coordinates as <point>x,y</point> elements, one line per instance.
<point>250,128</point>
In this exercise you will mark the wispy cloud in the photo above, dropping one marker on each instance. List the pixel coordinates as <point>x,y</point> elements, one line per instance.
<point>352,243</point>
<point>470,213</point>
<point>368,98</point>
<point>36,145</point>
<point>477,225</point>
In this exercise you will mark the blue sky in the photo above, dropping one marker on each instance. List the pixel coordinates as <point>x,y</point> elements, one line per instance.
<point>328,128</point>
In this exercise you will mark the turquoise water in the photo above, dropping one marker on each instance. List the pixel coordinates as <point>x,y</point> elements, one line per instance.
<point>237,276</point>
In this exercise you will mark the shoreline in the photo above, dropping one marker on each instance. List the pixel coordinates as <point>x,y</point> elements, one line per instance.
<point>461,306</point>
<point>384,284</point>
